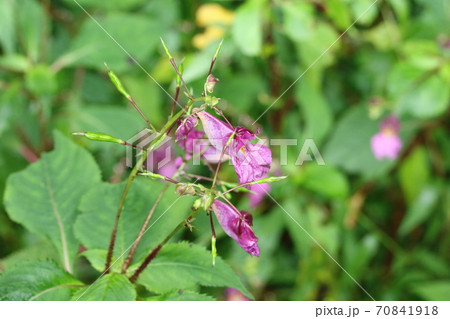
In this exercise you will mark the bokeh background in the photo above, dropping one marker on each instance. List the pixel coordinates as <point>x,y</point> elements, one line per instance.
<point>385,221</point>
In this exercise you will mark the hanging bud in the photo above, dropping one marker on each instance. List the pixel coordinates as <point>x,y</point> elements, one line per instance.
<point>210,83</point>
<point>100,137</point>
<point>184,189</point>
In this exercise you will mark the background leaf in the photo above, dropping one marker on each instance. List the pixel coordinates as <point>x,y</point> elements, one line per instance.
<point>110,287</point>
<point>44,197</point>
<point>37,280</point>
<point>247,27</point>
<point>121,26</point>
<point>184,265</point>
<point>94,226</point>
<point>182,295</point>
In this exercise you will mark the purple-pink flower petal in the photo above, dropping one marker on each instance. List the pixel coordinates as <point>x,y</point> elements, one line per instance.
<point>237,225</point>
<point>386,145</point>
<point>260,191</point>
<point>217,131</point>
<point>186,126</point>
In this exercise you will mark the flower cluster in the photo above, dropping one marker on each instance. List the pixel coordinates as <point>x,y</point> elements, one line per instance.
<point>251,162</point>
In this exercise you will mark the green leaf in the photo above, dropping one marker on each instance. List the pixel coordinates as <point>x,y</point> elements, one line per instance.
<point>37,280</point>
<point>429,98</point>
<point>339,13</point>
<point>112,120</point>
<point>183,266</point>
<point>315,110</point>
<point>325,180</point>
<point>15,62</point>
<point>414,173</point>
<point>420,209</point>
<point>31,24</point>
<point>134,32</point>
<point>45,195</point>
<point>111,287</point>
<point>349,146</point>
<point>298,20</point>
<point>247,27</point>
<point>7,28</point>
<point>433,290</point>
<point>182,295</point>
<point>40,250</point>
<point>107,5</point>
<point>361,9</point>
<point>99,206</point>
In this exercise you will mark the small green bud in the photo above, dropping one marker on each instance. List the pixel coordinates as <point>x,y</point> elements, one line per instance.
<point>100,137</point>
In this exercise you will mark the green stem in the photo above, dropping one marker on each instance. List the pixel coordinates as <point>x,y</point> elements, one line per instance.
<point>127,188</point>
<point>142,230</point>
<point>147,221</point>
<point>156,250</point>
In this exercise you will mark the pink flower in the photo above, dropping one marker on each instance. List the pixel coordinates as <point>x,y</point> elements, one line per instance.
<point>251,161</point>
<point>237,225</point>
<point>260,191</point>
<point>186,126</point>
<point>162,160</point>
<point>387,143</point>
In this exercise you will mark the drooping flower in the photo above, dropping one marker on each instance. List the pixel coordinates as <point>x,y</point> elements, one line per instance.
<point>386,143</point>
<point>251,161</point>
<point>237,225</point>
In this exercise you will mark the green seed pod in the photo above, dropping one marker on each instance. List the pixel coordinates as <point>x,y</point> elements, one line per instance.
<point>119,86</point>
<point>100,137</point>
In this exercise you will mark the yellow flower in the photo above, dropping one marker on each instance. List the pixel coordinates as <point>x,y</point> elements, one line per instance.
<point>215,19</point>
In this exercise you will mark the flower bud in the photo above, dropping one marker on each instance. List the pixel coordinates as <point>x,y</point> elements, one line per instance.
<point>207,200</point>
<point>197,204</point>
<point>211,100</point>
<point>184,189</point>
<point>210,83</point>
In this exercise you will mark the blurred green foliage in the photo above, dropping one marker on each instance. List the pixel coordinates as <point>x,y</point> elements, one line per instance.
<point>386,222</point>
